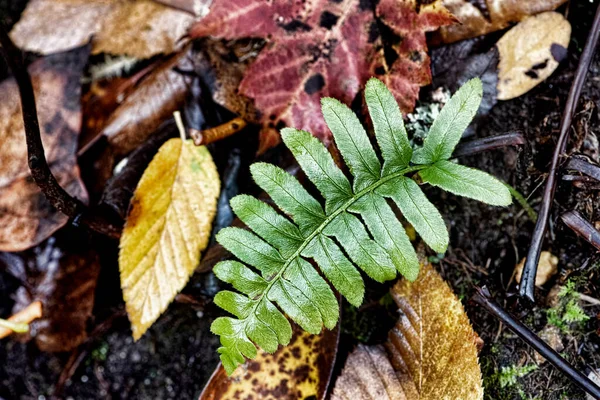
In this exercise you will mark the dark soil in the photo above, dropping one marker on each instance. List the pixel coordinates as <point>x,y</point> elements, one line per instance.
<point>176,357</point>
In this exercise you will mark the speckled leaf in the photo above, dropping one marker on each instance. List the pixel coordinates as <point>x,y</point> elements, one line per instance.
<point>167,227</point>
<point>299,371</point>
<point>530,52</point>
<point>322,48</point>
<point>431,352</point>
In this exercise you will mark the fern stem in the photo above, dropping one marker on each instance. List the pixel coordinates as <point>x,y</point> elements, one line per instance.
<point>522,201</point>
<point>327,221</point>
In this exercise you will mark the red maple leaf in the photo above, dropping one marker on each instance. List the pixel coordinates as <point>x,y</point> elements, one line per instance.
<point>318,48</point>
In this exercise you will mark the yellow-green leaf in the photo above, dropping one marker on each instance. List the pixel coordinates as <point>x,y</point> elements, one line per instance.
<point>431,352</point>
<point>167,227</point>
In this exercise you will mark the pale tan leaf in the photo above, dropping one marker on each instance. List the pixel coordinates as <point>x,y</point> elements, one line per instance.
<point>481,17</point>
<point>138,28</point>
<point>300,370</point>
<point>168,225</point>
<point>530,52</point>
<point>432,349</point>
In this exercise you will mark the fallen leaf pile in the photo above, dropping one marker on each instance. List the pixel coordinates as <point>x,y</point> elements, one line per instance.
<point>298,371</point>
<point>138,28</point>
<point>431,352</point>
<point>167,227</point>
<point>27,218</point>
<point>323,48</point>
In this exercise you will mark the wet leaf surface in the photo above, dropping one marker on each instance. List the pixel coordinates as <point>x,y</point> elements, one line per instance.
<point>26,217</point>
<point>322,49</point>
<point>300,370</point>
<point>61,273</point>
<point>168,225</point>
<point>431,352</point>
<point>138,28</point>
<point>530,52</point>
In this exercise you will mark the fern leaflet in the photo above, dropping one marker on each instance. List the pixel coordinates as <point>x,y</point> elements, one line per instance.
<point>356,228</point>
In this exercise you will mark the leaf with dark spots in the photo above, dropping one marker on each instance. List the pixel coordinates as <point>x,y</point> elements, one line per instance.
<point>322,48</point>
<point>62,274</point>
<point>299,371</point>
<point>26,217</point>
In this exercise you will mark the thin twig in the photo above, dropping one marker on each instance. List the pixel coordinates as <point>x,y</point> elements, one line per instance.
<point>582,227</point>
<point>483,298</point>
<point>489,143</point>
<point>36,157</point>
<point>527,286</point>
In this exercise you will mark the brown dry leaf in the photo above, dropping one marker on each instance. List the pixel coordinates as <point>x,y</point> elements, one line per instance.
<point>62,274</point>
<point>530,52</point>
<point>138,28</point>
<point>485,16</point>
<point>300,370</point>
<point>26,217</point>
<point>152,102</point>
<point>432,349</point>
<point>167,227</point>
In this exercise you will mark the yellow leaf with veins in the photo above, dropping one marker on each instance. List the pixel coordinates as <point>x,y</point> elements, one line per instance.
<point>431,352</point>
<point>168,225</point>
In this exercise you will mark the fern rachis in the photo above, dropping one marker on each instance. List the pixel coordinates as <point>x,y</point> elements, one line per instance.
<point>336,238</point>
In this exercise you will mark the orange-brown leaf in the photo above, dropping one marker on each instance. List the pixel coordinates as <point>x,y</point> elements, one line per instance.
<point>432,349</point>
<point>300,370</point>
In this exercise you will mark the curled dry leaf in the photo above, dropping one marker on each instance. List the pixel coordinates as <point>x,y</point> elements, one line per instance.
<point>62,274</point>
<point>167,227</point>
<point>321,48</point>
<point>299,371</point>
<point>484,16</point>
<point>138,28</point>
<point>530,52</point>
<point>432,349</point>
<point>26,217</point>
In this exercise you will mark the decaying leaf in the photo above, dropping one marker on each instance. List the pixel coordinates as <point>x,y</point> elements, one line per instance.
<point>299,371</point>
<point>167,227</point>
<point>138,28</point>
<point>530,52</point>
<point>26,217</point>
<point>322,48</point>
<point>484,16</point>
<point>62,274</point>
<point>153,101</point>
<point>431,352</point>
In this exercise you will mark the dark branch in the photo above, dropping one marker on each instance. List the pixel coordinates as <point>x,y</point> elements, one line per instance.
<point>36,157</point>
<point>489,143</point>
<point>527,287</point>
<point>582,227</point>
<point>483,298</point>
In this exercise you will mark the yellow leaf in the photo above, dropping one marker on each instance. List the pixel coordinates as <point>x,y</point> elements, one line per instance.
<point>168,225</point>
<point>431,352</point>
<point>530,52</point>
<point>298,371</point>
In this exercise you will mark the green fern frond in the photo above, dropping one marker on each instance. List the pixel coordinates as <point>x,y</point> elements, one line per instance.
<point>356,228</point>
